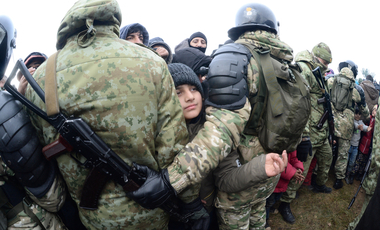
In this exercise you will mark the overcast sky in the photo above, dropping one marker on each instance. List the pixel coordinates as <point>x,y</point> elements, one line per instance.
<point>350,28</point>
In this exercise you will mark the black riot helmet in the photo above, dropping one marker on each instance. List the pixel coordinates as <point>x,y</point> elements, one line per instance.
<point>7,42</point>
<point>253,16</point>
<point>349,64</point>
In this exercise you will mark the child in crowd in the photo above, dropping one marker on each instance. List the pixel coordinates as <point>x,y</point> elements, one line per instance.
<point>240,176</point>
<point>294,170</point>
<point>353,151</point>
<point>364,147</point>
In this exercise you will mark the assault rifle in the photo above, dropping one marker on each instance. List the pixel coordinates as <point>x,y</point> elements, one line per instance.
<point>327,115</point>
<point>76,135</point>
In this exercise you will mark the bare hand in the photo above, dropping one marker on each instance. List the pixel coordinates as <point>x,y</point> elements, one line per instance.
<point>274,164</point>
<point>162,51</point>
<point>22,85</point>
<point>298,176</point>
<point>369,128</point>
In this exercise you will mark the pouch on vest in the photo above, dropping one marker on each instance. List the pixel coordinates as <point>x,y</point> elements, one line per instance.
<point>281,107</point>
<point>341,92</point>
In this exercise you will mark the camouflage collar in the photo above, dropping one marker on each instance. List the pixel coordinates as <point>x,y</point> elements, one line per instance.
<point>265,39</point>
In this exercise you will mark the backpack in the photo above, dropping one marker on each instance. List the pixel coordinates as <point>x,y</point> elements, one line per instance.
<point>341,92</point>
<point>281,107</point>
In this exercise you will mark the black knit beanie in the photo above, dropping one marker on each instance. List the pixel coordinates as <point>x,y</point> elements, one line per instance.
<point>182,74</point>
<point>200,35</point>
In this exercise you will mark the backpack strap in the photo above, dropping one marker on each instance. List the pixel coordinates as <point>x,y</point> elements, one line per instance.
<point>51,95</point>
<point>270,79</point>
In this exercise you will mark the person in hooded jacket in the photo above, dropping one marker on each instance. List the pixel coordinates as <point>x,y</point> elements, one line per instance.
<point>135,33</point>
<point>197,40</point>
<point>370,92</point>
<point>161,48</point>
<point>195,59</point>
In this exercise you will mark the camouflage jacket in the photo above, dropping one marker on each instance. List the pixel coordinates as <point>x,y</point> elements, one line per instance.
<point>53,199</point>
<point>308,63</point>
<point>344,120</point>
<point>222,134</point>
<point>125,93</point>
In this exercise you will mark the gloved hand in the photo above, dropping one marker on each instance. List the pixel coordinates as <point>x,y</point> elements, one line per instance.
<point>303,149</point>
<point>199,219</point>
<point>156,191</point>
<point>362,95</point>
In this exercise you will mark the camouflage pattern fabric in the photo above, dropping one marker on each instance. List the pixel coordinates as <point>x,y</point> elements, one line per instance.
<point>49,220</point>
<point>224,127</point>
<point>370,182</point>
<point>244,218</point>
<point>342,158</point>
<point>318,137</point>
<point>307,63</point>
<point>125,93</point>
<point>324,157</point>
<point>353,224</point>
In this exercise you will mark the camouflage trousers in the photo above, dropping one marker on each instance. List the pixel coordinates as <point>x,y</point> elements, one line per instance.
<point>324,157</point>
<point>249,217</point>
<point>353,224</point>
<point>342,158</point>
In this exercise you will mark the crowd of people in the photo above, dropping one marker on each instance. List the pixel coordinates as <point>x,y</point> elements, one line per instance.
<point>214,141</point>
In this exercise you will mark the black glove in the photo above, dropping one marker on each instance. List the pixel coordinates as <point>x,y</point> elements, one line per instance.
<point>199,219</point>
<point>156,192</point>
<point>362,95</point>
<point>303,149</point>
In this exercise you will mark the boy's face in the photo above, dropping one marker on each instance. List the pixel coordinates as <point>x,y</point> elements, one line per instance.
<point>136,37</point>
<point>191,100</point>
<point>357,116</point>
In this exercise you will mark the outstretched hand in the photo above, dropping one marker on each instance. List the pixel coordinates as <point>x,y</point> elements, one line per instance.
<point>275,164</point>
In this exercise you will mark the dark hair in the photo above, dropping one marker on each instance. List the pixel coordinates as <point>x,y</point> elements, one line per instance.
<point>357,110</point>
<point>369,77</point>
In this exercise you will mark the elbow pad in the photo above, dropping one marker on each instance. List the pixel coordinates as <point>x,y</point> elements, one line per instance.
<point>20,148</point>
<point>227,77</point>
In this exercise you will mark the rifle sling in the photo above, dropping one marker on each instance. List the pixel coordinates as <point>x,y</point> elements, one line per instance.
<point>51,95</point>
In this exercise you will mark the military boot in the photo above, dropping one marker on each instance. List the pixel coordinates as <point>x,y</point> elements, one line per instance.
<point>338,184</point>
<point>322,189</point>
<point>286,213</point>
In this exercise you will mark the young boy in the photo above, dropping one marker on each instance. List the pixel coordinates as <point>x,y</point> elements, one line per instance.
<point>190,93</point>
<point>353,151</point>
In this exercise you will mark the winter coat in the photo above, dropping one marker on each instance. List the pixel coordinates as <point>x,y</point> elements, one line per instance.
<point>371,94</point>
<point>159,41</point>
<point>287,175</point>
<point>365,142</point>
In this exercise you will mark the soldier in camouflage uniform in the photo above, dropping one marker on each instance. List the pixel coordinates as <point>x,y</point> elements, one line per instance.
<point>28,213</point>
<point>344,125</point>
<point>370,182</point>
<point>222,134</point>
<point>125,93</point>
<point>318,138</point>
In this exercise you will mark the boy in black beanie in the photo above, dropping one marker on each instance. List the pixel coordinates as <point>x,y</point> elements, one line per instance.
<point>189,90</point>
